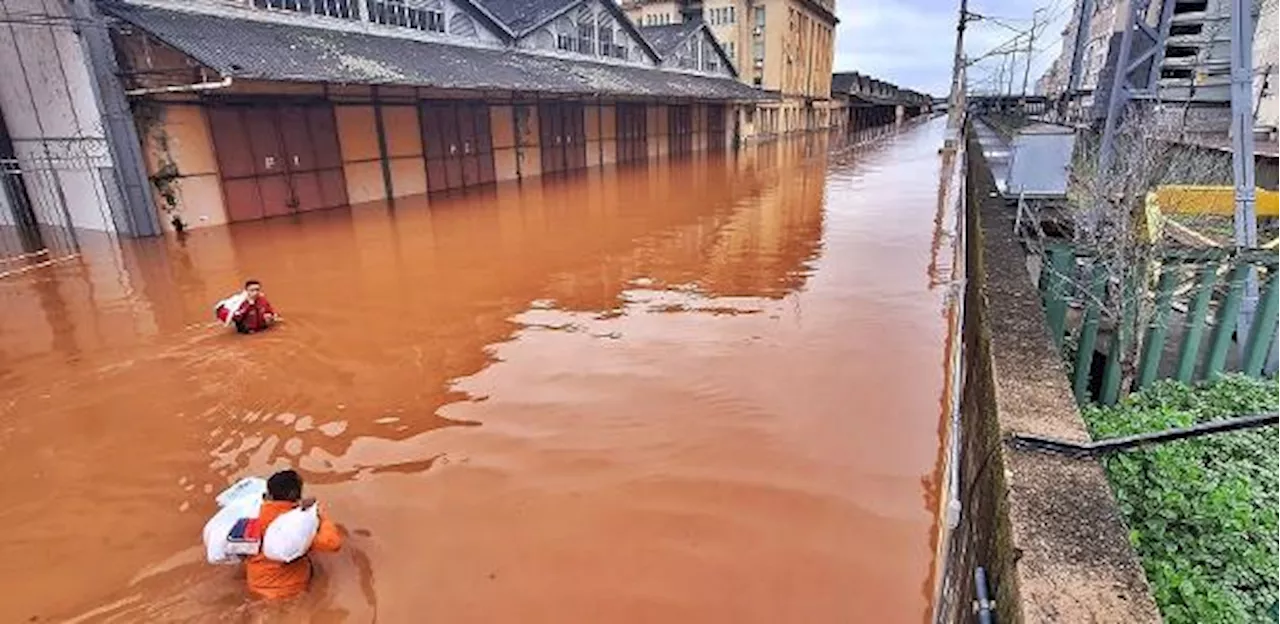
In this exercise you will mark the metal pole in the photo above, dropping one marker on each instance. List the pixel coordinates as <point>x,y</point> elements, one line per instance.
<point>955,115</point>
<point>1118,93</point>
<point>1031,40</point>
<point>1242,163</point>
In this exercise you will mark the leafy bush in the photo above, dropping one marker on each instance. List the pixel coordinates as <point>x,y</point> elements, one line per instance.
<point>1202,513</point>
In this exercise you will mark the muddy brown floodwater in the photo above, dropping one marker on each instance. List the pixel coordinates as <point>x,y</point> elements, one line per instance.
<point>702,391</point>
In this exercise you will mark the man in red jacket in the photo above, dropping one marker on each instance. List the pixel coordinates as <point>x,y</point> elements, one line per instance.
<point>248,310</point>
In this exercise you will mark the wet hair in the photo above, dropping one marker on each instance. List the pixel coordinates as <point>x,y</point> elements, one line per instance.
<point>252,282</point>
<point>285,485</point>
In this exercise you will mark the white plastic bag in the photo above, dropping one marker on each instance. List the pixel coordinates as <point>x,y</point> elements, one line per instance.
<point>289,536</point>
<point>241,500</point>
<point>246,488</point>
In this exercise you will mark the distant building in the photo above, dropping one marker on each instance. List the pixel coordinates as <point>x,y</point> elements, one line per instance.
<point>1195,74</point>
<point>782,46</point>
<point>867,102</point>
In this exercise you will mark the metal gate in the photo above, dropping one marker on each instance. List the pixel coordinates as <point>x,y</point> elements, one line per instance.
<point>563,136</point>
<point>680,129</point>
<point>35,227</point>
<point>633,133</point>
<point>458,144</point>
<point>716,137</point>
<point>277,159</point>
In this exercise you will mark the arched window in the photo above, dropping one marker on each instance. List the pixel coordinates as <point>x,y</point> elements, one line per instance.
<point>604,34</point>
<point>586,30</point>
<point>564,30</point>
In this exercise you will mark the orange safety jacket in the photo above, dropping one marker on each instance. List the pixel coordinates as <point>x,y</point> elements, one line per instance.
<point>275,579</point>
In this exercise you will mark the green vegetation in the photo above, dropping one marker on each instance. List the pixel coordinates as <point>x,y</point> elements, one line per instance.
<point>1201,513</point>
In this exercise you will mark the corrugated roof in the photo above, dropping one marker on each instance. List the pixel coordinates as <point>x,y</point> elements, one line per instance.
<point>254,49</point>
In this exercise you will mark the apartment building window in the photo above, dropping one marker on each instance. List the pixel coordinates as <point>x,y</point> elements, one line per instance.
<point>722,15</point>
<point>564,41</point>
<point>345,9</point>
<point>426,16</point>
<point>759,20</point>
<point>729,51</point>
<point>757,52</point>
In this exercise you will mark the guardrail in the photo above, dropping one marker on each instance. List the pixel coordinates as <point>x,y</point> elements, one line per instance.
<point>1206,287</point>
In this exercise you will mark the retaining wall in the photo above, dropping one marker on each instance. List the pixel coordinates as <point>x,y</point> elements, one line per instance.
<point>1045,527</point>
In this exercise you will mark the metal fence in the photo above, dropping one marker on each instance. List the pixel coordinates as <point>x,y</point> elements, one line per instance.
<point>1194,300</point>
<point>35,221</point>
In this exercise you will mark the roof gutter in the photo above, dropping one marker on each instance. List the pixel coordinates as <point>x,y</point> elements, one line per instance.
<point>184,88</point>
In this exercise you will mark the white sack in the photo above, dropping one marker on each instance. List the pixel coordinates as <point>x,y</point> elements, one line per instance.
<point>289,536</point>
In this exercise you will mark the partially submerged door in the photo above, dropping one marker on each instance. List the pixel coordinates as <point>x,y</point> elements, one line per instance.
<point>459,144</point>
<point>276,160</point>
<point>716,135</point>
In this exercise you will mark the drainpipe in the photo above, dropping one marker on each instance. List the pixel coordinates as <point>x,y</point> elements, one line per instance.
<point>185,88</point>
<point>984,605</point>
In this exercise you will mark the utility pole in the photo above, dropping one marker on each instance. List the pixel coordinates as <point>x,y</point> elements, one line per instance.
<point>955,116</point>
<point>1031,40</point>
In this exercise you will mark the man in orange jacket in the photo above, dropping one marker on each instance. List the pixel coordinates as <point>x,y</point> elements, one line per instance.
<point>275,579</point>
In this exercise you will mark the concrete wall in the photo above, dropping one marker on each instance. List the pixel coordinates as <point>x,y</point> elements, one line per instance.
<point>529,153</point>
<point>609,135</point>
<point>404,149</point>
<point>177,139</point>
<point>361,156</point>
<point>1045,527</point>
<point>502,127</point>
<point>53,117</point>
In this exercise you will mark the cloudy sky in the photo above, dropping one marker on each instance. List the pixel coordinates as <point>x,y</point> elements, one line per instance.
<point>911,42</point>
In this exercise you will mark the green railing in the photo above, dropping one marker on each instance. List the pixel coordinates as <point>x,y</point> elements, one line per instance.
<point>1205,287</point>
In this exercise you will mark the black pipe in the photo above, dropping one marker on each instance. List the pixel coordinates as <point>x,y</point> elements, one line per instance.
<point>1104,447</point>
<point>984,604</point>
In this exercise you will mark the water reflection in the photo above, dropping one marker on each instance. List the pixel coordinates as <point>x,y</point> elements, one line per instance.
<point>613,377</point>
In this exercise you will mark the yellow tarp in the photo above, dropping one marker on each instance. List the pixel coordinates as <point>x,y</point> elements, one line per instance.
<point>1215,200</point>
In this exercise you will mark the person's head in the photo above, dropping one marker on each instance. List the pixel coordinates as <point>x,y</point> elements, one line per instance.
<point>253,288</point>
<point>285,485</point>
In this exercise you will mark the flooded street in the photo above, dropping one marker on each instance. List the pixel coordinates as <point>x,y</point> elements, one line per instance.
<point>695,391</point>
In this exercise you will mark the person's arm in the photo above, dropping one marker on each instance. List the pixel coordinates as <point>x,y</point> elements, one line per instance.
<point>328,538</point>
<point>268,312</point>
<point>240,311</point>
